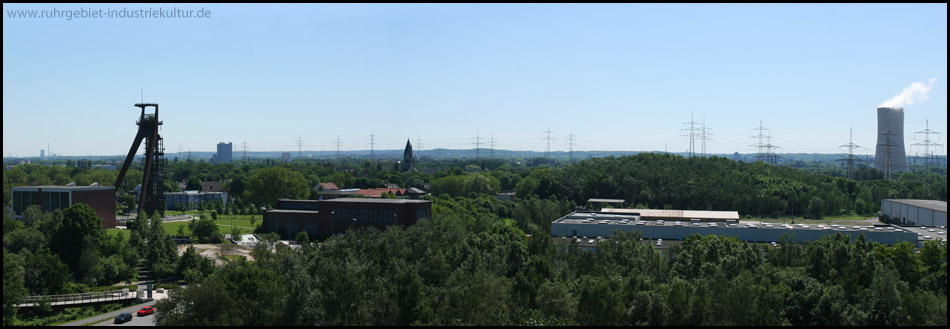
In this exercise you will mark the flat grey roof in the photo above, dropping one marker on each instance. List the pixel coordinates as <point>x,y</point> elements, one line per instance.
<point>580,217</point>
<point>607,200</point>
<point>926,204</point>
<point>614,222</point>
<point>373,200</point>
<point>340,192</point>
<point>62,187</point>
<point>678,214</point>
<point>290,211</point>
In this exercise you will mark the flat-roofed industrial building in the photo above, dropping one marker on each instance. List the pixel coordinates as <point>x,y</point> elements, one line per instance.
<point>190,199</point>
<point>914,212</point>
<point>604,224</point>
<point>327,217</point>
<point>681,215</point>
<point>52,197</point>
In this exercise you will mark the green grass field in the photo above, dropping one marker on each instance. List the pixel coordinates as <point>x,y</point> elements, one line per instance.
<point>241,222</point>
<point>224,225</point>
<point>110,232</point>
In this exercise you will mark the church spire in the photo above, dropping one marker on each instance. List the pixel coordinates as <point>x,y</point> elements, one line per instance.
<point>407,156</point>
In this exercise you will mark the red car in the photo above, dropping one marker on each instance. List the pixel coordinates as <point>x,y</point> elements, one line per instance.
<point>146,311</point>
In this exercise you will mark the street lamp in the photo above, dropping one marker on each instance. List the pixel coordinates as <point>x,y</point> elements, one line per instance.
<point>760,208</point>
<point>784,206</point>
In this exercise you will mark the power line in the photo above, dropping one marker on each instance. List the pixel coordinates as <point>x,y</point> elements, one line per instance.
<point>419,145</point>
<point>338,142</point>
<point>704,135</point>
<point>491,143</point>
<point>927,144</point>
<point>372,145</point>
<point>478,144</point>
<point>547,152</point>
<point>851,159</point>
<point>299,146</point>
<point>570,142</point>
<point>763,145</point>
<point>887,151</point>
<point>245,150</point>
<point>691,133</point>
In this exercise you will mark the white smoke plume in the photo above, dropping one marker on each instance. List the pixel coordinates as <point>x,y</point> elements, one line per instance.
<point>916,92</point>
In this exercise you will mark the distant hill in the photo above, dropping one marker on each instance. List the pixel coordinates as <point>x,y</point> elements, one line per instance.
<point>441,153</point>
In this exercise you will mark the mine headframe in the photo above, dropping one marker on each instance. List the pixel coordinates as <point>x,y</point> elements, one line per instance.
<point>151,196</point>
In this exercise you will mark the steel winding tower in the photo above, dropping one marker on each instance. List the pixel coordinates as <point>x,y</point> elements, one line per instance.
<point>151,196</point>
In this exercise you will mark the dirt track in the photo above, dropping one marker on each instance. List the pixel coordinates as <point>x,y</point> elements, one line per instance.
<point>216,252</point>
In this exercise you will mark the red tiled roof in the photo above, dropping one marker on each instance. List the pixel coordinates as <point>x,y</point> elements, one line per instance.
<point>213,187</point>
<point>329,186</point>
<point>378,192</point>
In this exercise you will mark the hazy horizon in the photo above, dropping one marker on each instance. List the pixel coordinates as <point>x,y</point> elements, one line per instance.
<point>237,154</point>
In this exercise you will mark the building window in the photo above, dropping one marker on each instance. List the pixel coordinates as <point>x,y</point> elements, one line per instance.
<point>17,202</point>
<point>34,198</point>
<point>64,199</point>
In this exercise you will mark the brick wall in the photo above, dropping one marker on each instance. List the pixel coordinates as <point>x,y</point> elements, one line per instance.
<point>101,201</point>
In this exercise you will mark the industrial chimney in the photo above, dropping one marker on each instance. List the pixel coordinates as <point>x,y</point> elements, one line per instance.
<point>889,156</point>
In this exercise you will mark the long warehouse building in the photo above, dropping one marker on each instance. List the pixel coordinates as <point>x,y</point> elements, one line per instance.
<point>914,212</point>
<point>603,224</point>
<point>674,215</point>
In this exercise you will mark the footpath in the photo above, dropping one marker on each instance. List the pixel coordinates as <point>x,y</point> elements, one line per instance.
<point>144,280</point>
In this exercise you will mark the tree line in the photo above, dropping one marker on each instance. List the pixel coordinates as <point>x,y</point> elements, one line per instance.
<point>645,180</point>
<point>469,266</point>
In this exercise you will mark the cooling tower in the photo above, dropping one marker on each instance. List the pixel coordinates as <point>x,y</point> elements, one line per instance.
<point>890,140</point>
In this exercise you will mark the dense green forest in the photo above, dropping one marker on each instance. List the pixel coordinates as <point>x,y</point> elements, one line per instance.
<point>480,260</point>
<point>67,251</point>
<point>470,266</point>
<point>63,252</point>
<point>644,180</point>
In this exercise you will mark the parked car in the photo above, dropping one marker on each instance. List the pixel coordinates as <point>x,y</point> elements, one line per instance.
<point>146,311</point>
<point>123,318</point>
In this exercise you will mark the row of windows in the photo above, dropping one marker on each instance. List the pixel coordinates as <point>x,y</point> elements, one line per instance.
<point>422,213</point>
<point>290,231</point>
<point>179,201</point>
<point>50,201</point>
<point>381,216</point>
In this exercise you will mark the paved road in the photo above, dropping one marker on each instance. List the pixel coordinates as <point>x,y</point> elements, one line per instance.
<point>107,318</point>
<point>148,320</point>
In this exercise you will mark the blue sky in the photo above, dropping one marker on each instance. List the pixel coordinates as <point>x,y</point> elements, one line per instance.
<point>620,77</point>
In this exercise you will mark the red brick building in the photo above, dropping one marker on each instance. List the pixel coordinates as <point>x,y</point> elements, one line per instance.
<point>100,198</point>
<point>328,217</point>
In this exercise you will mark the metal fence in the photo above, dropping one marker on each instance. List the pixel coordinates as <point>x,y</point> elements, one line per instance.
<point>77,299</point>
